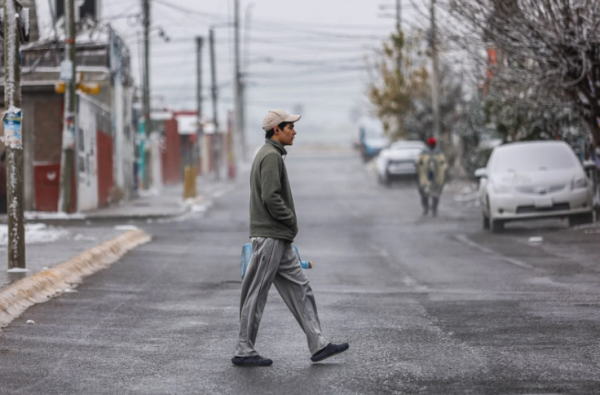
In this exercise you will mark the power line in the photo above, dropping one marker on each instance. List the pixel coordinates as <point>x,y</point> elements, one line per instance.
<point>222,18</point>
<point>270,25</point>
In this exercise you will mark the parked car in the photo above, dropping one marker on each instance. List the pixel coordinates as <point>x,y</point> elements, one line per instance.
<point>534,180</point>
<point>399,159</point>
<point>372,138</point>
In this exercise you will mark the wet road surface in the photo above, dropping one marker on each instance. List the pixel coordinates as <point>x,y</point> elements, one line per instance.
<point>428,305</point>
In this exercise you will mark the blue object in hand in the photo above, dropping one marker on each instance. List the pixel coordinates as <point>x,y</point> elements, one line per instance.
<point>247,254</point>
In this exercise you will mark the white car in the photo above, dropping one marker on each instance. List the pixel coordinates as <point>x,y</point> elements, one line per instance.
<point>400,159</point>
<point>533,180</point>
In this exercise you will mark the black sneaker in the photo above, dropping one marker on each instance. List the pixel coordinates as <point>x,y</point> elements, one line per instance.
<point>329,351</point>
<point>255,360</point>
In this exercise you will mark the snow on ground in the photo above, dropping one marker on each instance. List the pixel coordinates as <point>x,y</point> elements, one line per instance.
<point>35,234</point>
<point>149,193</point>
<point>17,270</point>
<point>126,227</point>
<point>33,215</point>
<point>466,194</point>
<point>589,228</point>
<point>80,237</point>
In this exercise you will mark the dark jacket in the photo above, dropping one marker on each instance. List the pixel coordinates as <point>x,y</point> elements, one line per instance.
<point>272,212</point>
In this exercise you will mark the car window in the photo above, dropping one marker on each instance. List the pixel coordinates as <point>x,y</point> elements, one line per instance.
<point>373,133</point>
<point>403,145</point>
<point>411,151</point>
<point>525,158</point>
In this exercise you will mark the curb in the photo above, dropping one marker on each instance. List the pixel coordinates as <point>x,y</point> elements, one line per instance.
<point>42,286</point>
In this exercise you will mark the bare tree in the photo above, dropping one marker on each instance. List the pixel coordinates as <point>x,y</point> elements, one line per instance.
<point>547,49</point>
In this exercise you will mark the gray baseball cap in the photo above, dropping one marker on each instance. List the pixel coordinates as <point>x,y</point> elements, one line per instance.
<point>275,117</point>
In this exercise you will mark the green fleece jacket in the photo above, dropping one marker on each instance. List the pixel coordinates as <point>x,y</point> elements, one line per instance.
<point>272,212</point>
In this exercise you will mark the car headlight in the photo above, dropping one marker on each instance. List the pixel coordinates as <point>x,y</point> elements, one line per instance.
<point>502,188</point>
<point>580,182</point>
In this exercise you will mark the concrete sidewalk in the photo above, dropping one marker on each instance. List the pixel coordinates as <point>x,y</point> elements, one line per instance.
<point>165,203</point>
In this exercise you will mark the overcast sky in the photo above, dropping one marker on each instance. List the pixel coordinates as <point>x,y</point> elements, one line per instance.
<point>306,55</point>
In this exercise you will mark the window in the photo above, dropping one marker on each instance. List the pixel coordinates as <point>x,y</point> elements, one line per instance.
<point>533,157</point>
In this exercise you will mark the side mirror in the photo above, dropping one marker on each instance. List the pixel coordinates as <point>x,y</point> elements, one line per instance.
<point>589,165</point>
<point>481,173</point>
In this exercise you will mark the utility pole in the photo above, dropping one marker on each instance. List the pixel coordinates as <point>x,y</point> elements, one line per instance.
<point>435,75</point>
<point>238,117</point>
<point>13,136</point>
<point>200,132</point>
<point>398,16</point>
<point>398,27</point>
<point>146,91</point>
<point>216,143</point>
<point>244,77</point>
<point>68,137</point>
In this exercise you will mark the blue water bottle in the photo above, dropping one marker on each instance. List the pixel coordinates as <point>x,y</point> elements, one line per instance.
<point>247,254</point>
<point>304,264</point>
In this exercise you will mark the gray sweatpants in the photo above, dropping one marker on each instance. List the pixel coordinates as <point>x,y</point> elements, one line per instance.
<point>274,261</point>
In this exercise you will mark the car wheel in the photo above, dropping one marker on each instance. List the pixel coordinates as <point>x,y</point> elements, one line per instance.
<point>581,219</point>
<point>486,222</point>
<point>497,225</point>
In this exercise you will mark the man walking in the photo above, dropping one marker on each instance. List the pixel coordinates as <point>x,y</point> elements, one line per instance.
<point>431,176</point>
<point>273,226</point>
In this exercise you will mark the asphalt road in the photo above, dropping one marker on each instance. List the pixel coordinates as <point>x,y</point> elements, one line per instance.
<point>428,305</point>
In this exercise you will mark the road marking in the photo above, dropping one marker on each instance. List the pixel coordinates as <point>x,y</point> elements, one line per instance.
<point>394,264</point>
<point>464,239</point>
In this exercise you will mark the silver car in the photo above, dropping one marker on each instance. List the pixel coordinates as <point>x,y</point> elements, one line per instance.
<point>399,160</point>
<point>533,180</point>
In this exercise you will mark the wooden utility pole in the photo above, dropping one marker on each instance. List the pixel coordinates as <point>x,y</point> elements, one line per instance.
<point>191,159</point>
<point>200,132</point>
<point>214,90</point>
<point>68,136</point>
<point>238,116</point>
<point>145,171</point>
<point>245,68</point>
<point>435,75</point>
<point>13,136</point>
